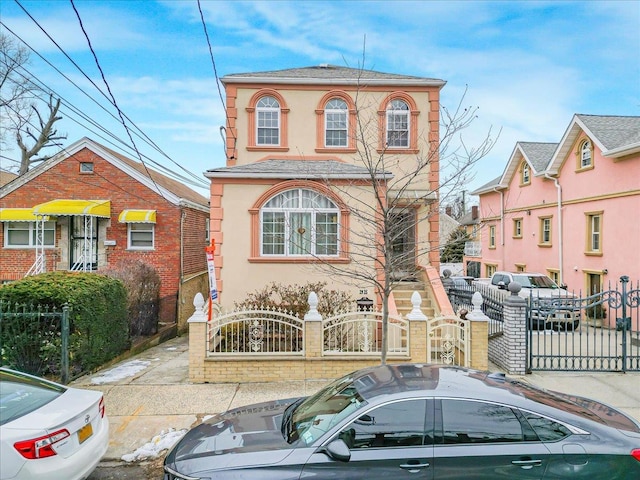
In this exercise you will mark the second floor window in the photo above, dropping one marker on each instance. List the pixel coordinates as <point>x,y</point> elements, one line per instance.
<point>492,236</point>
<point>397,124</point>
<point>517,228</point>
<point>545,231</point>
<point>268,121</point>
<point>335,116</point>
<point>594,232</point>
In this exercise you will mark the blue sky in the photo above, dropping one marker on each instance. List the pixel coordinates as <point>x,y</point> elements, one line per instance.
<point>528,66</point>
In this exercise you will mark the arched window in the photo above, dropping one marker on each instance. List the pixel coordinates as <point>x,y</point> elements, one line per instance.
<point>336,124</point>
<point>526,174</point>
<point>397,124</point>
<point>585,154</point>
<point>268,124</point>
<point>299,222</point>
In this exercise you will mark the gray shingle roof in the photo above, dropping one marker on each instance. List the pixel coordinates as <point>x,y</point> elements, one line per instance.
<point>330,74</point>
<point>613,131</point>
<point>539,154</point>
<point>294,169</point>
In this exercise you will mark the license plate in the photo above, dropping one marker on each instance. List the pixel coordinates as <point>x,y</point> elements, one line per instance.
<point>85,432</point>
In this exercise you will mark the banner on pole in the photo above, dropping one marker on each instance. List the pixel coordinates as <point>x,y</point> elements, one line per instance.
<point>213,288</point>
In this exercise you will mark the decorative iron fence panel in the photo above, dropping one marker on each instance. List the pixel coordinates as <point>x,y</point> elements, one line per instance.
<point>360,333</point>
<point>256,331</point>
<point>448,341</point>
<point>35,340</point>
<point>492,304</point>
<point>602,333</point>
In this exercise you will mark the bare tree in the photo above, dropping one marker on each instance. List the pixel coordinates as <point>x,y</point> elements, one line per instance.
<point>19,100</point>
<point>388,232</point>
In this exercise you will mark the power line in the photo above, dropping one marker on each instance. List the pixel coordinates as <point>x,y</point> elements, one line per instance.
<point>111,101</point>
<point>215,74</point>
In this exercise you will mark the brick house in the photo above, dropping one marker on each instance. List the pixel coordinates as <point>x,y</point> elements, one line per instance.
<point>89,207</point>
<point>568,209</point>
<point>283,208</point>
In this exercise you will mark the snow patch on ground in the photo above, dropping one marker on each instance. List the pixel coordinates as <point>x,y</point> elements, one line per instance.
<point>127,369</point>
<point>156,446</point>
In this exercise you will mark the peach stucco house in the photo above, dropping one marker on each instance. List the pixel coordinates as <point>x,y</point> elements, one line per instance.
<point>282,208</point>
<point>569,209</point>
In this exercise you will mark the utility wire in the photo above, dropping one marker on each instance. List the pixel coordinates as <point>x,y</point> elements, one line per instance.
<point>215,74</point>
<point>110,100</point>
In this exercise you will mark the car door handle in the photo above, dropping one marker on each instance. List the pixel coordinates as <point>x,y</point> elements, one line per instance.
<point>527,464</point>
<point>414,467</point>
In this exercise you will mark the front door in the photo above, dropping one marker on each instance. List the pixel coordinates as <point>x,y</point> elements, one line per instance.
<point>403,244</point>
<point>84,243</point>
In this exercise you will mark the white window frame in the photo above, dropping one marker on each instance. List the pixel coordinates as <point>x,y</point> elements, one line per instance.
<point>268,121</point>
<point>526,174</point>
<point>140,228</point>
<point>398,126</point>
<point>586,157</point>
<point>336,120</point>
<point>31,228</point>
<point>492,236</point>
<point>295,208</point>
<point>595,233</point>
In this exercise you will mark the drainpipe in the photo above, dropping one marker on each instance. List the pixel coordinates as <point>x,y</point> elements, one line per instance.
<point>501,222</point>
<point>560,236</point>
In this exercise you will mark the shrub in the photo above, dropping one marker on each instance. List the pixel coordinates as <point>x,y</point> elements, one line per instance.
<point>142,283</point>
<point>295,298</point>
<point>98,316</point>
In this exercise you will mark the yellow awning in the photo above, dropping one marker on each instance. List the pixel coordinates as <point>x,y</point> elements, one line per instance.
<point>137,216</point>
<point>93,208</point>
<point>17,215</point>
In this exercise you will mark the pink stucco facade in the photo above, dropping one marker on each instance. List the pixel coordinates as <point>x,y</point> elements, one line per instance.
<point>575,215</point>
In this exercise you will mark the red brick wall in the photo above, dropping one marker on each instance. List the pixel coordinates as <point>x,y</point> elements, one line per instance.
<point>64,181</point>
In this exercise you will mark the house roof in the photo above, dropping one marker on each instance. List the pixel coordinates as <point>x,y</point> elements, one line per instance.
<point>6,177</point>
<point>172,190</point>
<point>615,136</point>
<point>296,169</point>
<point>330,74</point>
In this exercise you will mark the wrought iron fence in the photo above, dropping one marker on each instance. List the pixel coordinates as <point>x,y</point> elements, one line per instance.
<point>492,303</point>
<point>360,332</point>
<point>255,331</point>
<point>35,339</point>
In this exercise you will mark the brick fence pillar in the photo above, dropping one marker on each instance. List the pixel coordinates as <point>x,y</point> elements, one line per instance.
<point>197,324</point>
<point>515,331</point>
<point>313,342</point>
<point>417,330</point>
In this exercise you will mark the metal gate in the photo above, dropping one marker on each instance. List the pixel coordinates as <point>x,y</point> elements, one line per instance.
<point>602,332</point>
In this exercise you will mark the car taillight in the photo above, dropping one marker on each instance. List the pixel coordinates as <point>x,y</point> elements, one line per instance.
<point>101,407</point>
<point>40,447</point>
<point>635,453</point>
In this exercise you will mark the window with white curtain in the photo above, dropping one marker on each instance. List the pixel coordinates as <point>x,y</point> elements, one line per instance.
<point>25,234</point>
<point>268,124</point>
<point>299,222</point>
<point>335,117</point>
<point>397,124</point>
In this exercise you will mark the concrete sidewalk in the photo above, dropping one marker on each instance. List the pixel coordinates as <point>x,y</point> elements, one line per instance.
<point>160,396</point>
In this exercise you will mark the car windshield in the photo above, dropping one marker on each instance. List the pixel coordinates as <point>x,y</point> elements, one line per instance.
<point>316,415</point>
<point>535,281</point>
<point>21,394</point>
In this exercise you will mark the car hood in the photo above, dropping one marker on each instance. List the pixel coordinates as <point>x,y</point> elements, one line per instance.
<point>244,436</point>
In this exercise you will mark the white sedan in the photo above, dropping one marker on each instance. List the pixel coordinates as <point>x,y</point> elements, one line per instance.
<point>48,430</point>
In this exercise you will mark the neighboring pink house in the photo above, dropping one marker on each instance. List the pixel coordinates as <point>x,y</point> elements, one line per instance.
<point>571,209</point>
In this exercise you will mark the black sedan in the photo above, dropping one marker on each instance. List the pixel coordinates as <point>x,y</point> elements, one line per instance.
<point>415,422</point>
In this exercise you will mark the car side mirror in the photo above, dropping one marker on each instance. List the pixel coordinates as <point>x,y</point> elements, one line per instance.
<point>338,450</point>
<point>502,286</point>
<point>563,286</point>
